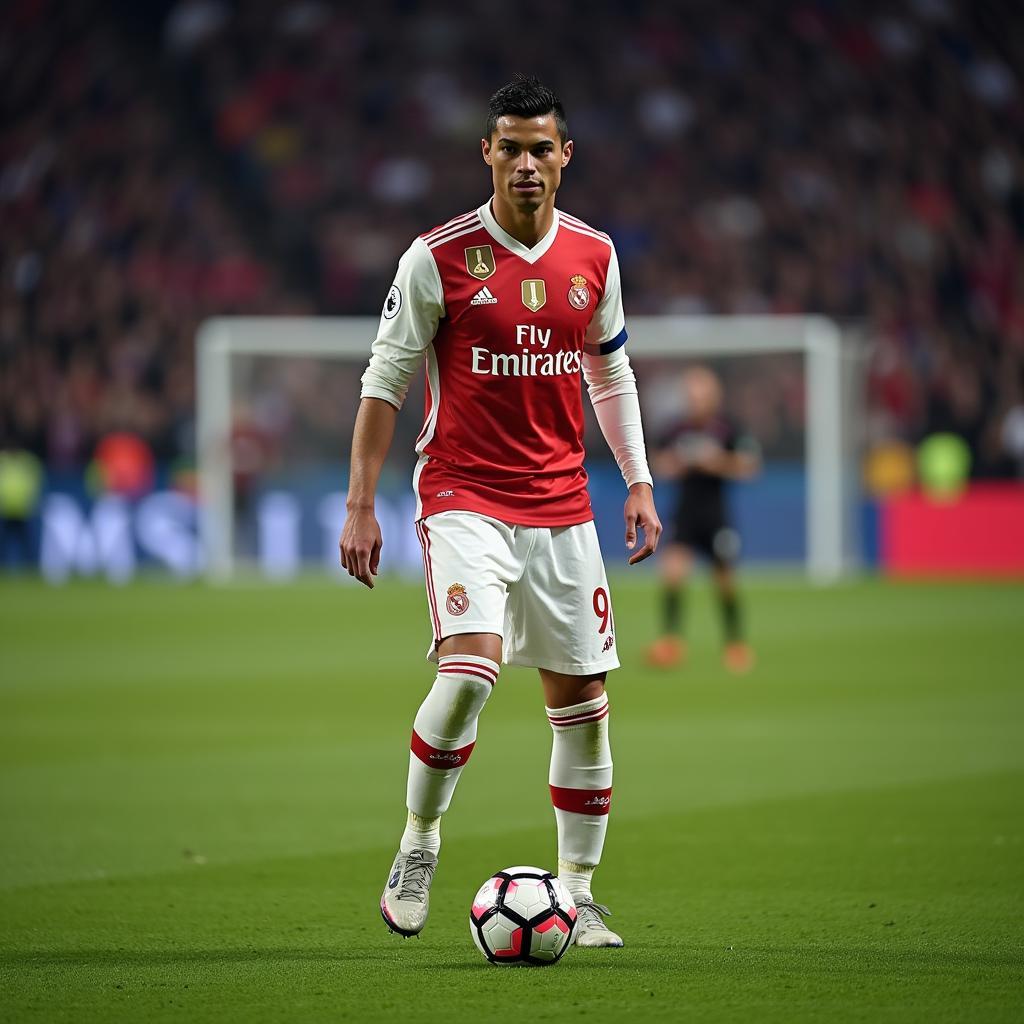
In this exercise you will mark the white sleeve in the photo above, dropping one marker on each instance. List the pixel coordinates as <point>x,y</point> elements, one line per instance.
<point>612,388</point>
<point>611,383</point>
<point>607,330</point>
<point>408,323</point>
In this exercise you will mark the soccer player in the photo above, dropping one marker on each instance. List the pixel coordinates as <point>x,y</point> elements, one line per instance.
<point>704,450</point>
<point>508,304</point>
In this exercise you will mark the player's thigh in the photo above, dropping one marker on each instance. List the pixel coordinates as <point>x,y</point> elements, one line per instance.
<point>559,614</point>
<point>468,562</point>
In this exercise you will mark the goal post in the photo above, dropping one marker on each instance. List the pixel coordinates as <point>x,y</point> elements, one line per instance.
<point>832,397</point>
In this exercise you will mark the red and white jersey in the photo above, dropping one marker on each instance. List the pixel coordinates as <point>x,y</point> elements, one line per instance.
<point>504,329</point>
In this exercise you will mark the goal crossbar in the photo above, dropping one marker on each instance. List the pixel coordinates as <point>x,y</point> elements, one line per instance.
<point>818,339</point>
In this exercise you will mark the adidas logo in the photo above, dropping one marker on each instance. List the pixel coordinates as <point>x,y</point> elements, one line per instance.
<point>483,298</point>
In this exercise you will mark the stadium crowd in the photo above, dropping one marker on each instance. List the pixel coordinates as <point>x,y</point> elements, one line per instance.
<point>163,163</point>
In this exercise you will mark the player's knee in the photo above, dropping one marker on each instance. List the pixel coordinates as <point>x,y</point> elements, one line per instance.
<point>449,712</point>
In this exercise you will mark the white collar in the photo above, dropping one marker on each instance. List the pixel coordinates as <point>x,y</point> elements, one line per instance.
<point>500,235</point>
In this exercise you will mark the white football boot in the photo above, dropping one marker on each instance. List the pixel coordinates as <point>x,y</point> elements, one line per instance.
<point>590,927</point>
<point>406,898</point>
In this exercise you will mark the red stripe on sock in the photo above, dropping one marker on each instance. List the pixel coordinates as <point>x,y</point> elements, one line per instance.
<point>582,801</point>
<point>435,757</point>
<point>453,659</point>
<point>587,716</point>
<point>449,664</point>
<point>467,672</point>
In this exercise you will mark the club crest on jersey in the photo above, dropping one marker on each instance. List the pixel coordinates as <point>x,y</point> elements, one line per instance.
<point>480,261</point>
<point>579,293</point>
<point>534,294</point>
<point>458,599</point>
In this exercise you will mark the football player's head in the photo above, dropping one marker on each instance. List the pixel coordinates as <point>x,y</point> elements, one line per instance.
<point>702,393</point>
<point>526,144</point>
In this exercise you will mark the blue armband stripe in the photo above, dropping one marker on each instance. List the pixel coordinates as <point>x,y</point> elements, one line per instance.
<point>612,344</point>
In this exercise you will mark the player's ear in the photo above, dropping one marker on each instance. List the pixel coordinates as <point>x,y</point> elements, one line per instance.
<point>566,152</point>
<point>485,149</point>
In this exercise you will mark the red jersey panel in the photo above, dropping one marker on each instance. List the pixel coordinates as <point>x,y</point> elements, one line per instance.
<point>503,432</point>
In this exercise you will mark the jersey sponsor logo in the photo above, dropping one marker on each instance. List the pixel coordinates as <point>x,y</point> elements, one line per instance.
<point>393,303</point>
<point>579,293</point>
<point>480,261</point>
<point>534,294</point>
<point>458,599</point>
<point>525,364</point>
<point>484,297</point>
<point>530,334</point>
<point>446,494</point>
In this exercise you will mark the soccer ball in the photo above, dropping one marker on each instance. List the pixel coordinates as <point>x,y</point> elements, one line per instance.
<point>523,916</point>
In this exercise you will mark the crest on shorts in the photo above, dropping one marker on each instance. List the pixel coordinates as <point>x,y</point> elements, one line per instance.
<point>458,599</point>
<point>480,261</point>
<point>534,294</point>
<point>579,293</point>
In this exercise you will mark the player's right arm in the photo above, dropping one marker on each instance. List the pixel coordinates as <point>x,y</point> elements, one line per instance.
<point>361,539</point>
<point>408,323</point>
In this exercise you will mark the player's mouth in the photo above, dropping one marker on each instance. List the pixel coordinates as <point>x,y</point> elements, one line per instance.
<point>528,187</point>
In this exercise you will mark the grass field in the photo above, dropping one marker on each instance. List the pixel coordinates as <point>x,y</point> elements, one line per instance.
<point>201,792</point>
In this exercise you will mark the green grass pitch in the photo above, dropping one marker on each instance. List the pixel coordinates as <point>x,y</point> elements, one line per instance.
<point>201,791</point>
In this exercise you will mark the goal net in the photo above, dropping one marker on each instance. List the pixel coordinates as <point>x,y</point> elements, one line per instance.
<point>277,398</point>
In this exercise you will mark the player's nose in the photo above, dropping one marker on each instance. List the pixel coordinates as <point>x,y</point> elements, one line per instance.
<point>526,164</point>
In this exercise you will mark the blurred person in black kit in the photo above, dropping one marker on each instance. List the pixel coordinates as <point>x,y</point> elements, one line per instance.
<point>703,450</point>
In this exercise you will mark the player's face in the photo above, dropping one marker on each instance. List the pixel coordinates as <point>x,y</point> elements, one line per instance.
<point>703,394</point>
<point>526,157</point>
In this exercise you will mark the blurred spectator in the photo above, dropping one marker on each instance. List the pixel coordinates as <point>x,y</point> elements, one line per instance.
<point>125,465</point>
<point>21,482</point>
<point>864,161</point>
<point>115,243</point>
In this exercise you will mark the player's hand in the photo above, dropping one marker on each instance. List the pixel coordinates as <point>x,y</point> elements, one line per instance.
<point>640,512</point>
<point>360,545</point>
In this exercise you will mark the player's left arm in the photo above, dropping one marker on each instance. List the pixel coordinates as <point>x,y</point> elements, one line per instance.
<point>613,393</point>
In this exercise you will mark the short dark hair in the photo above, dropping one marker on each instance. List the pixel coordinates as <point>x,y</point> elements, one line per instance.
<point>524,96</point>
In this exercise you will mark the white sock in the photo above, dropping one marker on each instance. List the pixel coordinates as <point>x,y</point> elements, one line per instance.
<point>421,834</point>
<point>443,737</point>
<point>576,878</point>
<point>581,780</point>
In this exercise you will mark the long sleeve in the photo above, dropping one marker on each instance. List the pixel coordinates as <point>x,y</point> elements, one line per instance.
<point>612,388</point>
<point>408,323</point>
<point>611,383</point>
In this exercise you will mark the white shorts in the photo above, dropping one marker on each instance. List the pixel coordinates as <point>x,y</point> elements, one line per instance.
<point>542,590</point>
